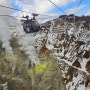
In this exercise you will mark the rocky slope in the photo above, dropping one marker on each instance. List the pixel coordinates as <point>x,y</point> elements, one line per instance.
<point>72,52</point>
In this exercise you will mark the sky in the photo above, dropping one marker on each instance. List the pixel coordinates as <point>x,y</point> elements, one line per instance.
<point>45,7</point>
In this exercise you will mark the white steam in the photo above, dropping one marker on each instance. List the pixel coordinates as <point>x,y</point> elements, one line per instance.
<point>4,28</point>
<point>27,43</point>
<point>5,37</point>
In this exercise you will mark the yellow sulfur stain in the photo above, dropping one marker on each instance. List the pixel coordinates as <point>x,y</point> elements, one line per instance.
<point>11,58</point>
<point>39,69</point>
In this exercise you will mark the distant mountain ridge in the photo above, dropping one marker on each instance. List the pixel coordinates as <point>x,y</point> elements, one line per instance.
<point>77,18</point>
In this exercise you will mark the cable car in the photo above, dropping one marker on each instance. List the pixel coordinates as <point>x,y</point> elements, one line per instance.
<point>31,25</point>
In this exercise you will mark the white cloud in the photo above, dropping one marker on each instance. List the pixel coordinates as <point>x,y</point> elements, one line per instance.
<point>5,2</point>
<point>42,19</point>
<point>88,13</point>
<point>4,10</point>
<point>75,9</point>
<point>40,6</point>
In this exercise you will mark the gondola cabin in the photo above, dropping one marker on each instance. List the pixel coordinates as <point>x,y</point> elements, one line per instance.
<point>31,25</point>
